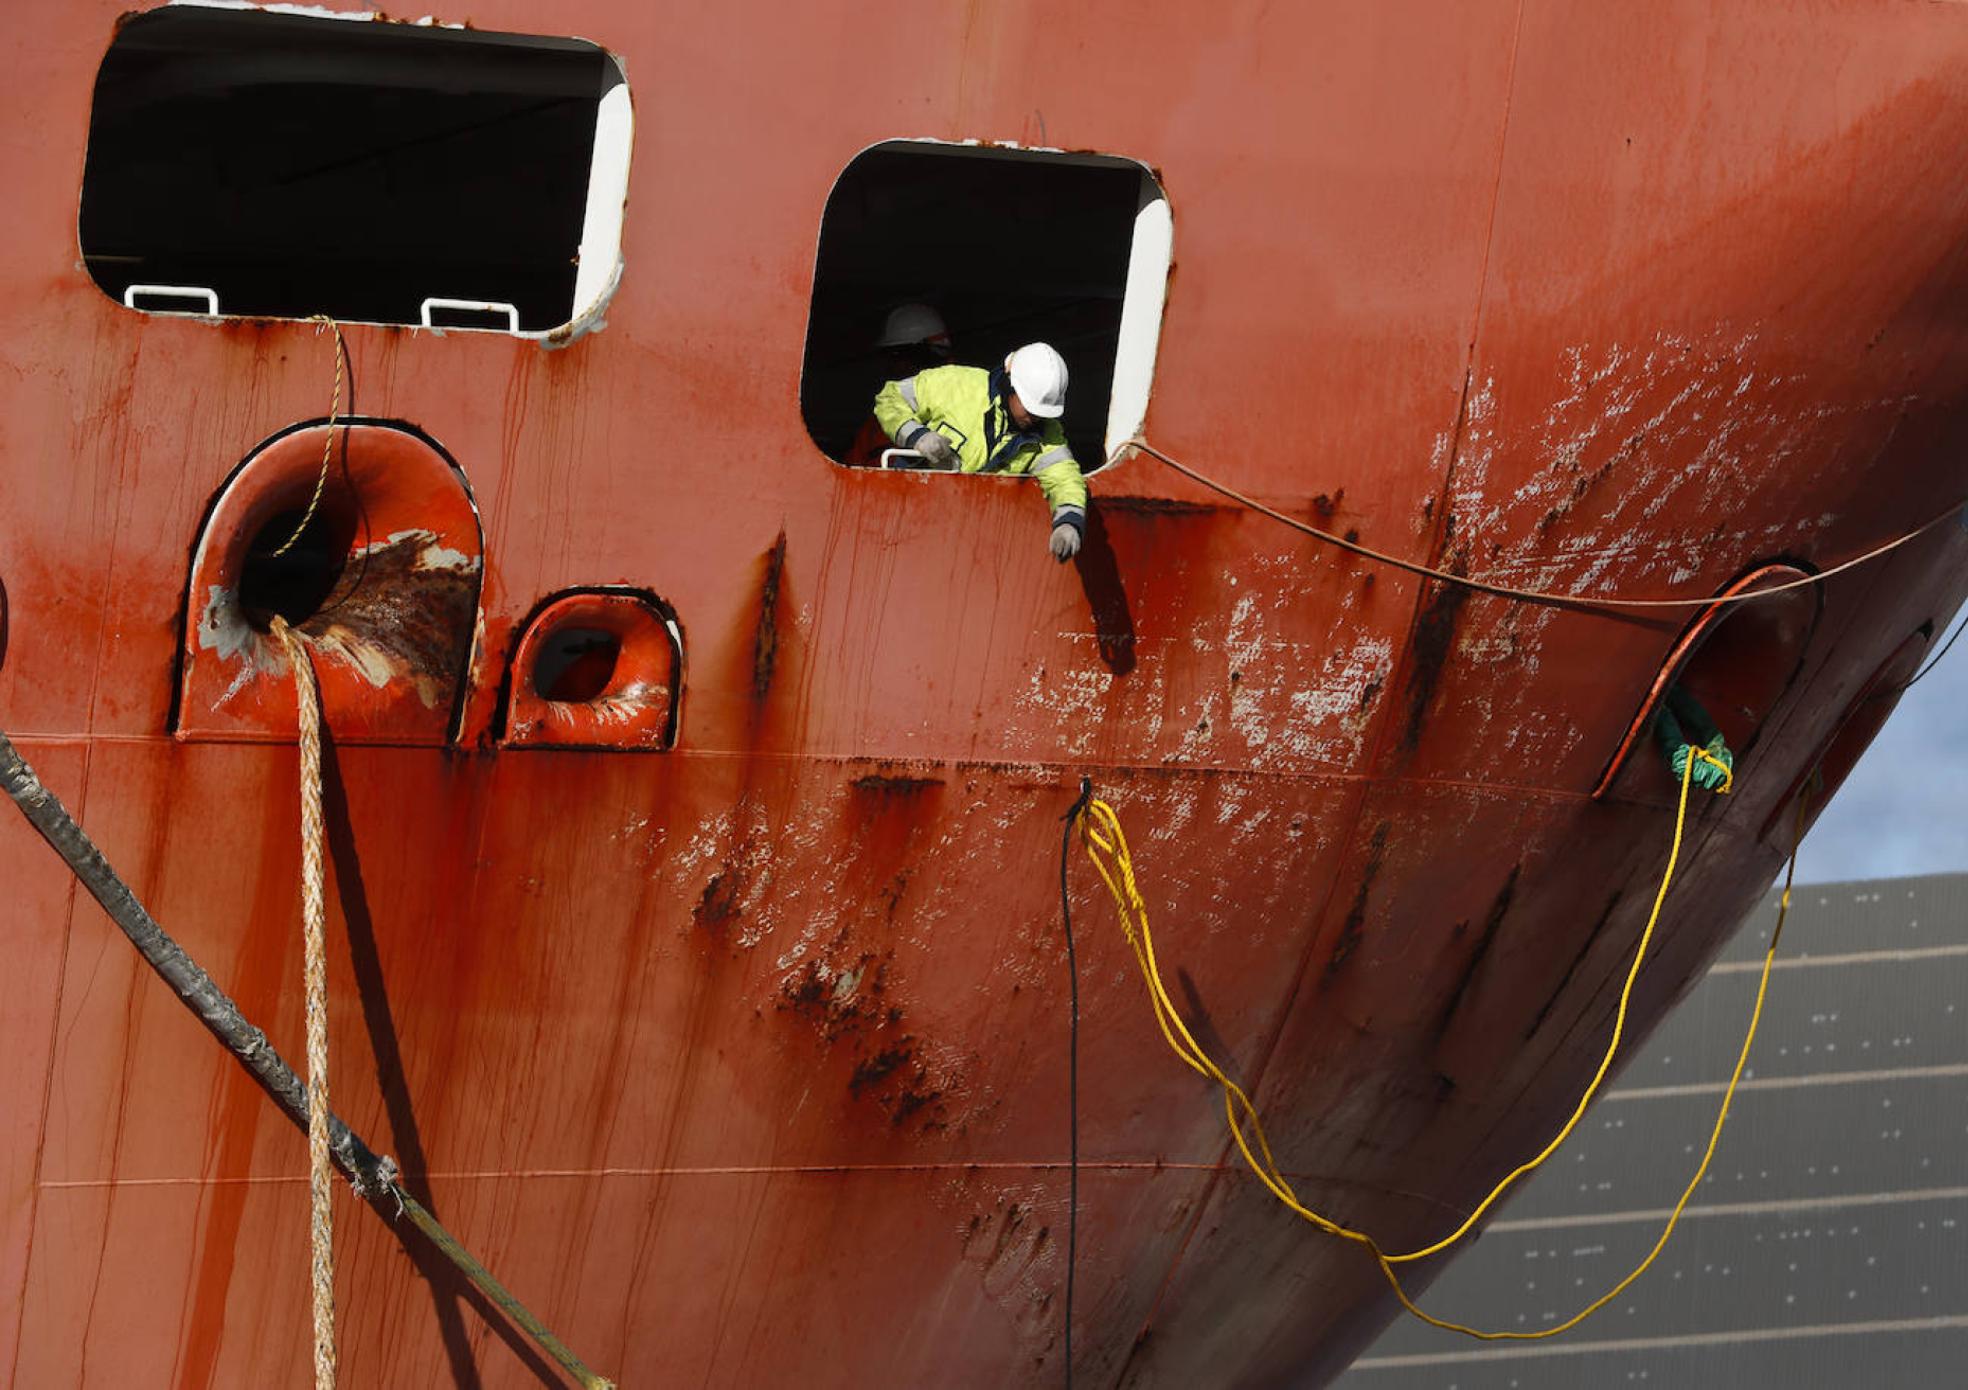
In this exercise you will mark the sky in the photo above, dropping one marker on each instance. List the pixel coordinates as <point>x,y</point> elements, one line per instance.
<point>1904,809</point>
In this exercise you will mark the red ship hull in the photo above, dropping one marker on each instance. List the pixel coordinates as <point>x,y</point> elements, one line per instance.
<point>744,1063</point>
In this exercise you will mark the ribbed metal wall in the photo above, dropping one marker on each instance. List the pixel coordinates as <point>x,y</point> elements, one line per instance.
<point>1828,1245</point>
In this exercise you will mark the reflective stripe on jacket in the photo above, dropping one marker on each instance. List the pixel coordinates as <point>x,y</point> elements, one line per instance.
<point>966,405</point>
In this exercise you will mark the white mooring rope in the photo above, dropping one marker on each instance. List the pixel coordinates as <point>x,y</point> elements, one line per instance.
<point>321,1170</point>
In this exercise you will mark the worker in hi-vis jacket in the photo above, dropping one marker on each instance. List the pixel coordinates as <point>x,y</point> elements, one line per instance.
<point>913,339</point>
<point>974,420</point>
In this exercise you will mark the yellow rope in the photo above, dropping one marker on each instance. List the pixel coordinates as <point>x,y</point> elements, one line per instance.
<point>327,444</point>
<point>1547,596</point>
<point>1619,1018</point>
<point>321,1171</point>
<point>1107,848</point>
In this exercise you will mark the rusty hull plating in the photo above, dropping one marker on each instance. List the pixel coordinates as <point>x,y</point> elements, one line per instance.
<point>744,1062</point>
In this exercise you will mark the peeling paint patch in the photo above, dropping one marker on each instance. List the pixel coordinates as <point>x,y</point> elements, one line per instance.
<point>813,992</point>
<point>405,608</point>
<point>885,785</point>
<point>404,611</point>
<point>1595,461</point>
<point>738,886</point>
<point>848,1007</point>
<point>872,1071</point>
<point>223,628</point>
<point>717,906</point>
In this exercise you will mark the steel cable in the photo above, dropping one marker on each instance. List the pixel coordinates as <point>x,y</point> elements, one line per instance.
<point>1542,596</point>
<point>1071,818</point>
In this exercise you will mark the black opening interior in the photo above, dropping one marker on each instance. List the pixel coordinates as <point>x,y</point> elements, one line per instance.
<point>297,165</point>
<point>1009,246</point>
<point>1747,660</point>
<point>575,664</point>
<point>296,581</point>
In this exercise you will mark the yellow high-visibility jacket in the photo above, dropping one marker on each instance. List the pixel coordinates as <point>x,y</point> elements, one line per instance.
<point>966,405</point>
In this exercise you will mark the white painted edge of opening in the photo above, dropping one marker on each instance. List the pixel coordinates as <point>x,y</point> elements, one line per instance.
<point>600,255</point>
<point>311,11</point>
<point>1141,315</point>
<point>676,696</point>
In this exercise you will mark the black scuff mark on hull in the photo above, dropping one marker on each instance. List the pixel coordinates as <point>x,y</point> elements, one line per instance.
<point>1605,916</point>
<point>1159,506</point>
<point>717,906</point>
<point>1499,909</point>
<point>887,785</point>
<point>1354,928</point>
<point>874,1070</point>
<point>1434,638</point>
<point>765,638</point>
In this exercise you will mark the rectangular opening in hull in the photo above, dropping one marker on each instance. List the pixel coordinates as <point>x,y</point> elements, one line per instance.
<point>933,252</point>
<point>255,164</point>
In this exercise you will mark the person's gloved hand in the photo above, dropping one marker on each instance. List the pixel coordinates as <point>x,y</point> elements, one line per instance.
<point>937,451</point>
<point>1065,542</point>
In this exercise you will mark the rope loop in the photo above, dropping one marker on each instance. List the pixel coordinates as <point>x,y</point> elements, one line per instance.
<point>1106,846</point>
<point>328,444</point>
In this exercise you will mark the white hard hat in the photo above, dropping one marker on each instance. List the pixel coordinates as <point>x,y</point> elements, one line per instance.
<point>1038,375</point>
<point>909,324</point>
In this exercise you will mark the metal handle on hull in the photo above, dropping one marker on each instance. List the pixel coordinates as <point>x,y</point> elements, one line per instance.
<point>210,296</point>
<point>470,306</point>
<point>911,460</point>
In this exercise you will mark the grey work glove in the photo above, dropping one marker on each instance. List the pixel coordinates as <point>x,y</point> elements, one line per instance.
<point>937,451</point>
<point>1065,541</point>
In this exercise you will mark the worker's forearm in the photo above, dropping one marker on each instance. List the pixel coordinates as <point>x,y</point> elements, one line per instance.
<point>1065,492</point>
<point>895,411</point>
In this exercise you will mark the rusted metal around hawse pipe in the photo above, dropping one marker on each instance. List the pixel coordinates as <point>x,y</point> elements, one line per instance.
<point>373,1176</point>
